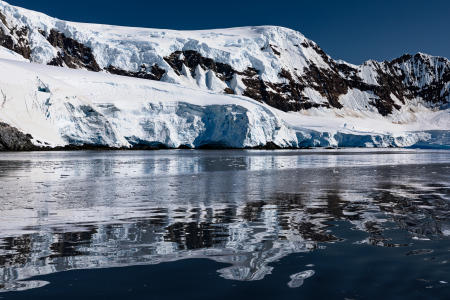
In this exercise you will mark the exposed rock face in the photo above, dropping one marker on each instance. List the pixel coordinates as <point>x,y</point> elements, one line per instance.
<point>400,78</point>
<point>11,139</point>
<point>72,53</point>
<point>153,73</point>
<point>284,96</point>
<point>425,77</point>
<point>193,59</point>
<point>14,38</point>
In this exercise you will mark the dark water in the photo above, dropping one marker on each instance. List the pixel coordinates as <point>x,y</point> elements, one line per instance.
<point>225,225</point>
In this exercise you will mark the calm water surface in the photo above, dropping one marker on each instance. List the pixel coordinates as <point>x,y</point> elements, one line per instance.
<point>345,224</point>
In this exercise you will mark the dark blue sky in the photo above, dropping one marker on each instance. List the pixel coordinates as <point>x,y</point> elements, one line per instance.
<point>347,29</point>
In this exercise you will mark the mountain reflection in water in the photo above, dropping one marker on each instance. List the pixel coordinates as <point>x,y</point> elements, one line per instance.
<point>248,209</point>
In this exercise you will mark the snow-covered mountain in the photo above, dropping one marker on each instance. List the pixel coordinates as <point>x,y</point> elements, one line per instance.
<point>237,87</point>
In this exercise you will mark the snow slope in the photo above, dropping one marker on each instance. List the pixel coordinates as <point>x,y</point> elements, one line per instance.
<point>11,55</point>
<point>116,45</point>
<point>271,64</point>
<point>60,106</point>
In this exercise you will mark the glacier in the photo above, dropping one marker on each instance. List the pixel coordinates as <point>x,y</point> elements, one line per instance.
<point>59,106</point>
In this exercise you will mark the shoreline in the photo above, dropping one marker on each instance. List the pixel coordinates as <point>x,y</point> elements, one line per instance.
<point>270,147</point>
<point>89,147</point>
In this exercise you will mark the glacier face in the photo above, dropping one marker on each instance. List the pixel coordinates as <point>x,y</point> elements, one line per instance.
<point>238,87</point>
<point>59,106</point>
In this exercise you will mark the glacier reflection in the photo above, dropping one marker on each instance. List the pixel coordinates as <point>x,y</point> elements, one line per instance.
<point>73,210</point>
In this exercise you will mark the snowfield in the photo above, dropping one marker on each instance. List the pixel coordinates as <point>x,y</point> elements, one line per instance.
<point>60,106</point>
<point>116,45</point>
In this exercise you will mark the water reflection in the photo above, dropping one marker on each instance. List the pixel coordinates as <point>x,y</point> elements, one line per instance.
<point>62,211</point>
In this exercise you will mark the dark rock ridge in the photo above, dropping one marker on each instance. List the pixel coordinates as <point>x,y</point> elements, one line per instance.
<point>153,73</point>
<point>331,82</point>
<point>192,59</point>
<point>11,139</point>
<point>72,53</point>
<point>418,66</point>
<point>14,38</point>
<point>256,88</point>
